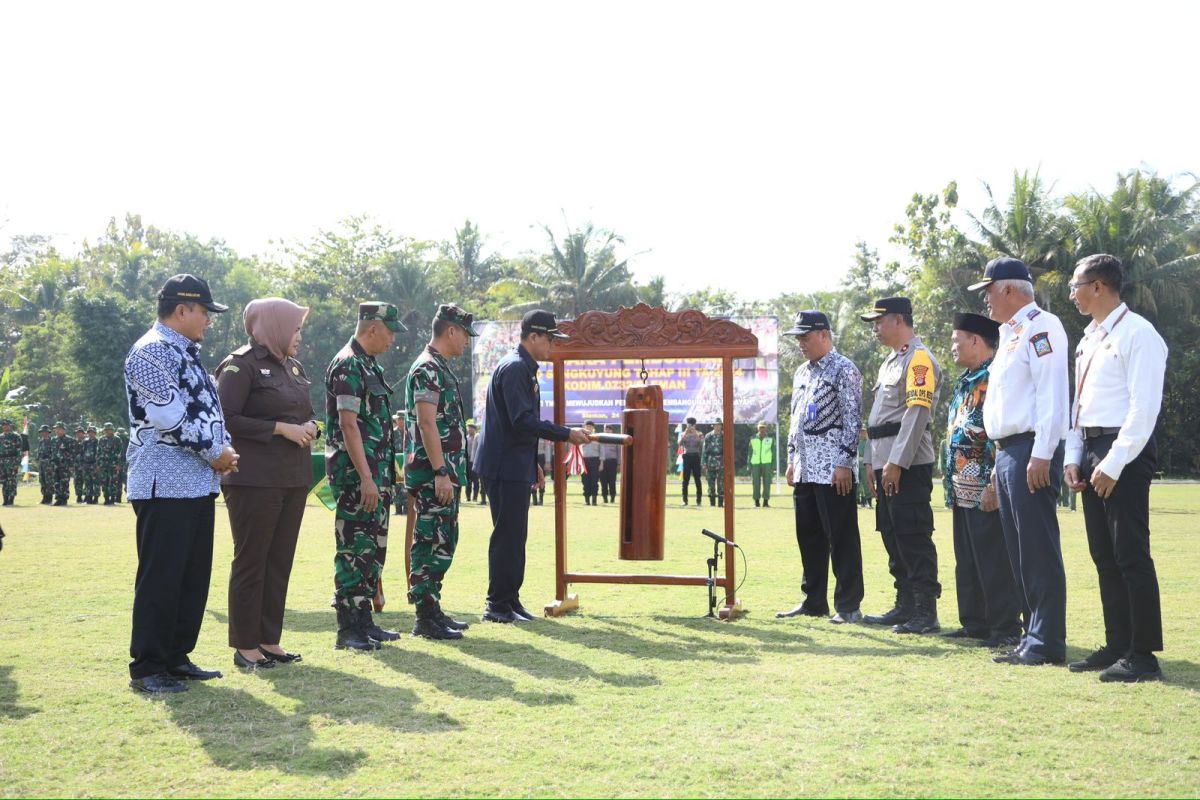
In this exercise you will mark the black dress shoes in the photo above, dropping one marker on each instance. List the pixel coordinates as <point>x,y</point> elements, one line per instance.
<point>162,683</point>
<point>190,672</point>
<point>964,633</point>
<point>801,611</point>
<point>1100,659</point>
<point>997,642</point>
<point>1027,659</point>
<point>241,661</point>
<point>521,612</point>
<point>281,658</point>
<point>1133,668</point>
<point>500,614</point>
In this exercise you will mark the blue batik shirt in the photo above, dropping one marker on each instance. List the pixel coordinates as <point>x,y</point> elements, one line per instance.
<point>176,425</point>
<point>969,455</point>
<point>826,415</point>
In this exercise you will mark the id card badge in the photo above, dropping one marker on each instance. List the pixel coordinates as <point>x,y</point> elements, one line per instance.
<point>811,414</point>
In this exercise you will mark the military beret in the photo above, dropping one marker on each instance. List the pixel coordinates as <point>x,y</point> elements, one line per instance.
<point>449,312</point>
<point>386,313</point>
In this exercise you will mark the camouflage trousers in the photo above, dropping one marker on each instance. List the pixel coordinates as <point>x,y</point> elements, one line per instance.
<point>716,482</point>
<point>435,536</point>
<point>87,482</point>
<point>10,470</point>
<point>361,539</point>
<point>110,482</point>
<point>60,475</point>
<point>46,481</point>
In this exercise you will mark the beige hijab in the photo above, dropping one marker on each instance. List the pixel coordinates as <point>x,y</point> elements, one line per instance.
<point>272,322</point>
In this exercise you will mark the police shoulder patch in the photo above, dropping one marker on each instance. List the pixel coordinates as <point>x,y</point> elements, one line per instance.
<point>231,368</point>
<point>1041,344</point>
<point>241,351</point>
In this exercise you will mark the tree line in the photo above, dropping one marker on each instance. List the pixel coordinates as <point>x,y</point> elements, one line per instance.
<point>67,320</point>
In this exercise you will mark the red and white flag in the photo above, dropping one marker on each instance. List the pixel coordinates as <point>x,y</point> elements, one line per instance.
<point>574,461</point>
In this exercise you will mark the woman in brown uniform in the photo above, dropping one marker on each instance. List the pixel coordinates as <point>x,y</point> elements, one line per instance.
<point>264,393</point>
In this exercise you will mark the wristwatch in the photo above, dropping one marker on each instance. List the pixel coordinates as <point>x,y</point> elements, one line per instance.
<point>442,471</point>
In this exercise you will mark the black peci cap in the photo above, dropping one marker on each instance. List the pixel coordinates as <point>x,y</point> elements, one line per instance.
<point>888,305</point>
<point>540,321</point>
<point>1004,268</point>
<point>189,289</point>
<point>977,324</point>
<point>808,321</point>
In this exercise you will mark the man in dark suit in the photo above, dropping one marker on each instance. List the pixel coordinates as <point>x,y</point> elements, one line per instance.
<point>507,460</point>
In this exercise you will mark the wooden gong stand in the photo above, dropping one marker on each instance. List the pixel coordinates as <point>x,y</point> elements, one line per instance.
<point>636,333</point>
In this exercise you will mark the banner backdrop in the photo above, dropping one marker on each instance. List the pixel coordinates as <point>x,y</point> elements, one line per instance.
<point>691,386</point>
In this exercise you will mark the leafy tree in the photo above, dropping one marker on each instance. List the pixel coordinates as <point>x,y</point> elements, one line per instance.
<point>101,327</point>
<point>580,273</point>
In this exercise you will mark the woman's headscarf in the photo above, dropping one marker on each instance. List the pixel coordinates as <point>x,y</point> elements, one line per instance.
<point>272,322</point>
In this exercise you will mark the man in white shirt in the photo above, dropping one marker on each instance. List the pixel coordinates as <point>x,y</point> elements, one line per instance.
<point>1026,416</point>
<point>1111,458</point>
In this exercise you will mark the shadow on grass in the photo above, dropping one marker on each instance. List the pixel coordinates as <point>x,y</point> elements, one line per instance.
<point>240,732</point>
<point>9,706</point>
<point>540,664</point>
<point>461,680</point>
<point>602,634</point>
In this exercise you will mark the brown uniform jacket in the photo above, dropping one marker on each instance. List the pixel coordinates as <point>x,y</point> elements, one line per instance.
<point>256,392</point>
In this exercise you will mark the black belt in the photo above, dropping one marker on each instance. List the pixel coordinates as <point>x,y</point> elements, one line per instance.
<point>883,431</point>
<point>1095,433</point>
<point>1009,441</point>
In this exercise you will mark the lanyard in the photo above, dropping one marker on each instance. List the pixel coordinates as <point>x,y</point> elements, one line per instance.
<point>1087,367</point>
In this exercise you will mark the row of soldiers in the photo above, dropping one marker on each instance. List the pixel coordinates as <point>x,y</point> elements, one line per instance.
<point>95,463</point>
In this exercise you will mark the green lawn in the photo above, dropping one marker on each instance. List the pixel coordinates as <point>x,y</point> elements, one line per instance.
<point>634,695</point>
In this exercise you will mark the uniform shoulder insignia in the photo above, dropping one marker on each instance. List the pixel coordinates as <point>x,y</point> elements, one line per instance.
<point>230,368</point>
<point>1041,344</point>
<point>1033,313</point>
<point>921,380</point>
<point>243,350</point>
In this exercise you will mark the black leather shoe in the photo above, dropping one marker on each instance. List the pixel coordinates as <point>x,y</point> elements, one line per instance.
<point>241,661</point>
<point>431,628</point>
<point>963,633</point>
<point>1001,642</point>
<point>162,683</point>
<point>801,611</point>
<point>1026,659</point>
<point>190,672</point>
<point>521,612</point>
<point>1135,668</point>
<point>375,632</point>
<point>451,623</point>
<point>281,658</point>
<point>1103,658</point>
<point>498,614</point>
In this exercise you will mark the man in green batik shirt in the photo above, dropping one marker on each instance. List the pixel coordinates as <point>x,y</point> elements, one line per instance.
<point>361,468</point>
<point>435,467</point>
<point>712,461</point>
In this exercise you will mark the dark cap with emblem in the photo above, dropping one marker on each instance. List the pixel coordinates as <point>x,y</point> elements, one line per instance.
<point>386,313</point>
<point>888,305</point>
<point>977,324</point>
<point>189,289</point>
<point>1004,268</point>
<point>449,312</point>
<point>808,321</point>
<point>540,321</point>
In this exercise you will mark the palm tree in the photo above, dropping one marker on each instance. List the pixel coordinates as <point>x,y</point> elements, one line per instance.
<point>1030,228</point>
<point>579,274</point>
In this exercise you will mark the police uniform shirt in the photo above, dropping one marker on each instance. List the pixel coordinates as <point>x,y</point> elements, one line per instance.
<point>1119,368</point>
<point>590,450</point>
<point>1027,382</point>
<point>908,387</point>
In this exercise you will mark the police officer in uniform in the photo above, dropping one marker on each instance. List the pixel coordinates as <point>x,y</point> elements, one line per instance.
<point>10,460</point>
<point>435,467</point>
<point>712,461</point>
<point>360,463</point>
<point>1026,416</point>
<point>512,426</point>
<point>111,459</point>
<point>45,459</point>
<point>901,466</point>
<point>1111,457</point>
<point>62,454</point>
<point>610,465</point>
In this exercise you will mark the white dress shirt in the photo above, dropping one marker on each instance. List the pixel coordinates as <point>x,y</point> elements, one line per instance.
<point>1124,359</point>
<point>1027,383</point>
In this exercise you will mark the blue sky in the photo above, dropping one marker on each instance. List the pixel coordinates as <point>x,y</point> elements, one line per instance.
<point>734,145</point>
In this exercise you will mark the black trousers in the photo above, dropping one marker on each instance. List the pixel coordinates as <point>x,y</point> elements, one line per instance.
<point>591,477</point>
<point>1118,531</point>
<point>827,524</point>
<point>265,522</point>
<point>509,504</point>
<point>989,603</point>
<point>691,468</point>
<point>608,480</point>
<point>174,547</point>
<point>905,522</point>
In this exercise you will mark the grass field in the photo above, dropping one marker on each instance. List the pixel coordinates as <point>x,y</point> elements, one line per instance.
<point>635,695</point>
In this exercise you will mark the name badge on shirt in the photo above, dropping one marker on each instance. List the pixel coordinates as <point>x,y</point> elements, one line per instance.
<point>810,415</point>
<point>266,373</point>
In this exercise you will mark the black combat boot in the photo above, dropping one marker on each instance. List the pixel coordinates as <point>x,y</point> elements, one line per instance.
<point>924,618</point>
<point>448,621</point>
<point>374,631</point>
<point>350,633</point>
<point>430,627</point>
<point>898,614</point>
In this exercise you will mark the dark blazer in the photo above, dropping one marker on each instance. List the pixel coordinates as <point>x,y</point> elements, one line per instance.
<point>513,422</point>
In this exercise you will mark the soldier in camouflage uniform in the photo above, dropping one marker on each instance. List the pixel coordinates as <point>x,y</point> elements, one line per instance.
<point>78,470</point>
<point>436,467</point>
<point>712,460</point>
<point>89,464</point>
<point>11,447</point>
<point>62,456</point>
<point>45,465</point>
<point>110,457</point>
<point>360,464</point>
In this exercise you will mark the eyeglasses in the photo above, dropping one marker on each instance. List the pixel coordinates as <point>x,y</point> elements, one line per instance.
<point>1075,287</point>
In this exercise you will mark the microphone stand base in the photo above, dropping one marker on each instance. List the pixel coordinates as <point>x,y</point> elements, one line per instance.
<point>729,613</point>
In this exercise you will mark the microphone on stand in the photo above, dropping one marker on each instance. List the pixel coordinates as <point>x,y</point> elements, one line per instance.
<point>718,538</point>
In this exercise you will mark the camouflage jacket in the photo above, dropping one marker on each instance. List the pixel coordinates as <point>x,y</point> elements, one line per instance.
<point>354,382</point>
<point>87,451</point>
<point>430,380</point>
<point>110,450</point>
<point>11,445</point>
<point>62,449</point>
<point>713,451</point>
<point>45,453</point>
